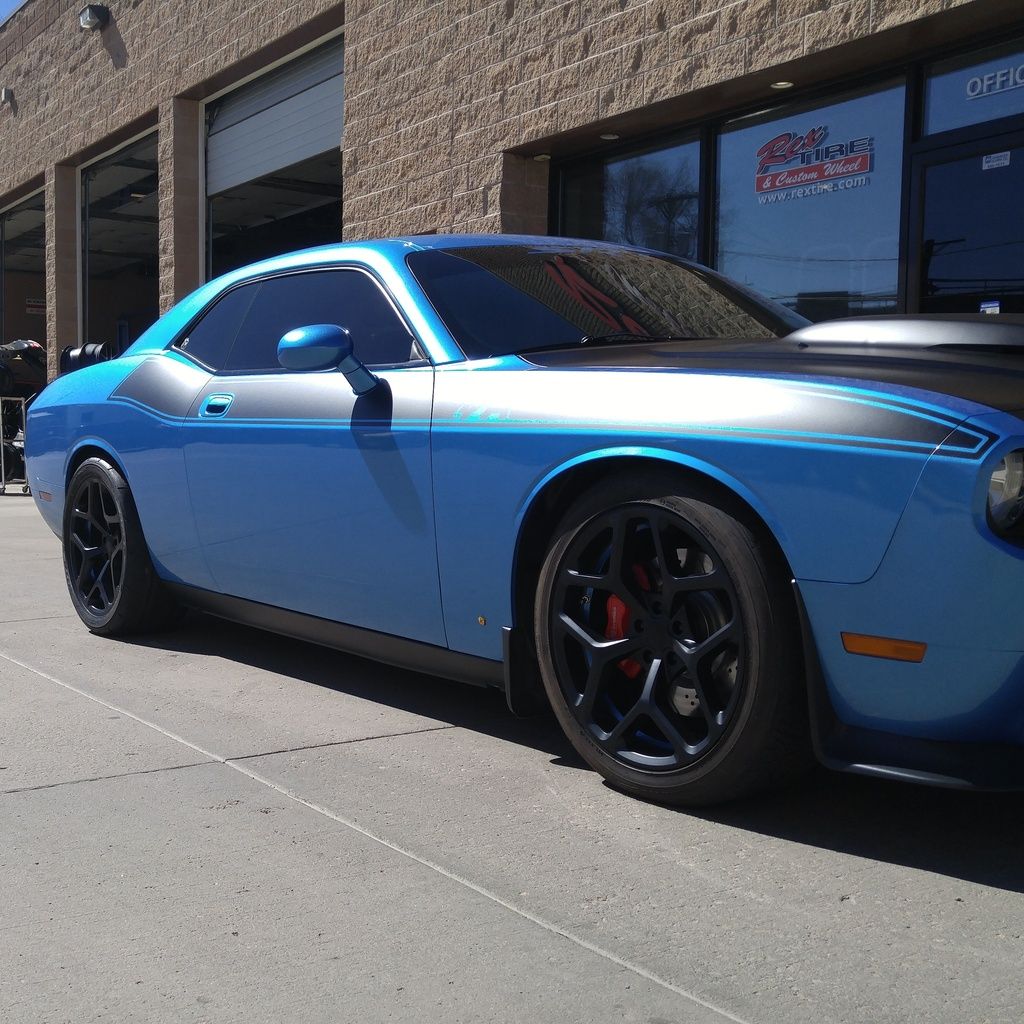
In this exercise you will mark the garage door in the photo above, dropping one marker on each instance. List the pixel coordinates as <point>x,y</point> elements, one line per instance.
<point>286,116</point>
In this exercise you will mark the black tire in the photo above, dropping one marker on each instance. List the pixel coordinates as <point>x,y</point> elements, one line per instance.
<point>109,574</point>
<point>702,700</point>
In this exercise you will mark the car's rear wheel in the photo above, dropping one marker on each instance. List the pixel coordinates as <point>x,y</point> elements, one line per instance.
<point>109,573</point>
<point>667,645</point>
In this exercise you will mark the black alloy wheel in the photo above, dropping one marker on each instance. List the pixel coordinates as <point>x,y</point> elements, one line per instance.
<point>107,565</point>
<point>667,645</point>
<point>96,556</point>
<point>648,649</point>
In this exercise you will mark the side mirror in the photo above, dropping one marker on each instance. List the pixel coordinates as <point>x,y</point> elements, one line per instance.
<point>323,347</point>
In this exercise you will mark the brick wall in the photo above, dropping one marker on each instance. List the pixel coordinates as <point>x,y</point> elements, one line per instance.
<point>74,89</point>
<point>436,93</point>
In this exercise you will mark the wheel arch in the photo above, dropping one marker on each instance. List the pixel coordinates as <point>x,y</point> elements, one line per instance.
<point>89,448</point>
<point>551,498</point>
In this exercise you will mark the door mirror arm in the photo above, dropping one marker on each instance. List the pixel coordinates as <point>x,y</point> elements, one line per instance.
<point>359,378</point>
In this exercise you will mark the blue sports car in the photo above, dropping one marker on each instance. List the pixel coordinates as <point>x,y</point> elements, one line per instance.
<point>715,539</point>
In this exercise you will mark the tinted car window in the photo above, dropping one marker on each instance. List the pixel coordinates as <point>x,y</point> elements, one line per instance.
<point>348,298</point>
<point>210,339</point>
<point>498,299</point>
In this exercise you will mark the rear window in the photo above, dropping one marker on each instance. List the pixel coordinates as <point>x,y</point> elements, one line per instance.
<point>504,299</point>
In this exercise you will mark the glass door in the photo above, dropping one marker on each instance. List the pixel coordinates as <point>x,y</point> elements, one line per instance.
<point>967,238</point>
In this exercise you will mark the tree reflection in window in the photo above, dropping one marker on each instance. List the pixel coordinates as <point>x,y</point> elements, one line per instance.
<point>649,199</point>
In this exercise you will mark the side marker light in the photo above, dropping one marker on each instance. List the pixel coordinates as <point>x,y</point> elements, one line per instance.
<point>883,647</point>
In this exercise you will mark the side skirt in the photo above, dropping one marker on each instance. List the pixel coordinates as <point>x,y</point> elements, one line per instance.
<point>383,647</point>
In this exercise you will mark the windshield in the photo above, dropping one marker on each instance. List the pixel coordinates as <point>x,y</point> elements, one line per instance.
<point>499,299</point>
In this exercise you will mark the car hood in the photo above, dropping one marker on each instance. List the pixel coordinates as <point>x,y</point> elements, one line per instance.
<point>989,377</point>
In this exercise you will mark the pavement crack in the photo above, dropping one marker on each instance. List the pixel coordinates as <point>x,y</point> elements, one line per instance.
<point>36,618</point>
<point>104,778</point>
<point>452,876</point>
<point>339,743</point>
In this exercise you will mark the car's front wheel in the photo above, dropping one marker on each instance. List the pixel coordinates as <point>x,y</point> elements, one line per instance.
<point>667,645</point>
<point>109,574</point>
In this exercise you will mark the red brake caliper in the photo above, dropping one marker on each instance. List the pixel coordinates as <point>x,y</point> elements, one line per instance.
<point>618,613</point>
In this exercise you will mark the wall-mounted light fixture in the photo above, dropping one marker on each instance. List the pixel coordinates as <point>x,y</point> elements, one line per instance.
<point>93,17</point>
<point>782,85</point>
<point>7,96</point>
<point>542,157</point>
<point>609,136</point>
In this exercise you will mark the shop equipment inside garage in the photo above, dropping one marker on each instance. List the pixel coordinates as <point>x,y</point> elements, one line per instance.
<point>22,377</point>
<point>12,447</point>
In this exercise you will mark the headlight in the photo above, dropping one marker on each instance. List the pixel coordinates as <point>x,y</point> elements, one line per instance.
<point>1006,492</point>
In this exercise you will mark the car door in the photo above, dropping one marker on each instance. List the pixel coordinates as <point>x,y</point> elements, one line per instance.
<point>305,496</point>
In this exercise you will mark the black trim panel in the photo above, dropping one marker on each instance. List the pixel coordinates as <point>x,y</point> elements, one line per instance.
<point>162,384</point>
<point>524,691</point>
<point>391,650</point>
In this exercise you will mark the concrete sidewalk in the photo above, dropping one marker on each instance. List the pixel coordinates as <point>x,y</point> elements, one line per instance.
<point>217,824</point>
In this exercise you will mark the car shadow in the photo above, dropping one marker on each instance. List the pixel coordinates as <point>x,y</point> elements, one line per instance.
<point>973,836</point>
<point>976,837</point>
<point>477,708</point>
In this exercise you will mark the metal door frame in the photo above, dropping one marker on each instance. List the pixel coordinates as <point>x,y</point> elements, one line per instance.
<point>930,155</point>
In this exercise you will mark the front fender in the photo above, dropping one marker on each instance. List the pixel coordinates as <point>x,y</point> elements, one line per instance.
<point>946,581</point>
<point>828,466</point>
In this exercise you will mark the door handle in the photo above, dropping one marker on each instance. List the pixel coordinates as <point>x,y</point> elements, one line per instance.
<point>215,405</point>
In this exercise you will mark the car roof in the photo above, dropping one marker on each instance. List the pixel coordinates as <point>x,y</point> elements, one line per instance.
<point>456,241</point>
<point>395,249</point>
<point>393,246</point>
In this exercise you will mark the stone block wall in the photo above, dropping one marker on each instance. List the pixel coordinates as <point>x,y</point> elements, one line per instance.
<point>437,93</point>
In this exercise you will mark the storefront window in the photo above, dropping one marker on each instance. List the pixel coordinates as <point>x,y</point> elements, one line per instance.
<point>120,283</point>
<point>973,89</point>
<point>649,199</point>
<point>23,272</point>
<point>809,204</point>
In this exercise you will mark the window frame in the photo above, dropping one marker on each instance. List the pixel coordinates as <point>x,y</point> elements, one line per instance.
<point>258,279</point>
<point>923,159</point>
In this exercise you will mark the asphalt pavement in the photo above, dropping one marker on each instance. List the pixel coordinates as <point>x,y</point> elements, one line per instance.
<point>216,824</point>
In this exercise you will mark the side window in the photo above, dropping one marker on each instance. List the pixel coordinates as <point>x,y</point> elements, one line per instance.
<point>211,338</point>
<point>348,298</point>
